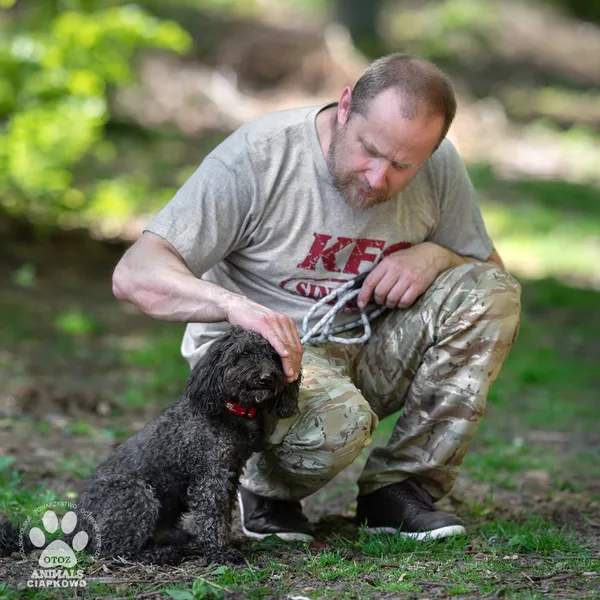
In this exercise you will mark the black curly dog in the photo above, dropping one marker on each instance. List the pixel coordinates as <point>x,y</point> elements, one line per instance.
<point>169,490</point>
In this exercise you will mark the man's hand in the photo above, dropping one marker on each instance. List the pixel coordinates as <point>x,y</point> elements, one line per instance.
<point>400,278</point>
<point>278,329</point>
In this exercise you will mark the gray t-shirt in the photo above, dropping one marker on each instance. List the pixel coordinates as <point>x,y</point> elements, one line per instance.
<point>262,218</point>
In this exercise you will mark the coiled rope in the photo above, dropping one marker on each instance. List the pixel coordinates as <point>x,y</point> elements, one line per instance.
<point>324,330</point>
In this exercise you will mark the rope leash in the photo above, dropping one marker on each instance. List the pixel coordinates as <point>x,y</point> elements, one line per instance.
<point>323,330</point>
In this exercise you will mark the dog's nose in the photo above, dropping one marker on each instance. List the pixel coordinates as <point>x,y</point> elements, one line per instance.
<point>265,379</point>
<point>268,378</point>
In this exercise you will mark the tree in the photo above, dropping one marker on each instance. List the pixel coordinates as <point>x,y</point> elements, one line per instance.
<point>58,61</point>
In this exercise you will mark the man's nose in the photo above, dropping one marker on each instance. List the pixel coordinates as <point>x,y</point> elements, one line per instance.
<point>377,176</point>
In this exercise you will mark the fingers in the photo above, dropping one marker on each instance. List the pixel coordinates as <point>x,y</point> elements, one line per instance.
<point>368,286</point>
<point>409,297</point>
<point>385,285</point>
<point>286,342</point>
<point>282,334</point>
<point>394,288</point>
<point>391,288</point>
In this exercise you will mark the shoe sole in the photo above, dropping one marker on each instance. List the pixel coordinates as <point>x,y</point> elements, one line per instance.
<point>290,536</point>
<point>435,534</point>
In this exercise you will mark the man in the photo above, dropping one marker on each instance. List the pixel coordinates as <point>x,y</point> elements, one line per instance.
<point>293,205</point>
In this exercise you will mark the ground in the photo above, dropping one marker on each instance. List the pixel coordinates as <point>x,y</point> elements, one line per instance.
<point>80,372</point>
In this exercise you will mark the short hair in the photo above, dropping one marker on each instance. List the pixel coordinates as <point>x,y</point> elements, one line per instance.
<point>421,84</point>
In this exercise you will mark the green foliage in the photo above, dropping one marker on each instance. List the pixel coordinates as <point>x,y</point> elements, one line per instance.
<point>5,462</point>
<point>557,226</point>
<point>58,64</point>
<point>582,9</point>
<point>442,28</point>
<point>76,323</point>
<point>201,590</point>
<point>25,275</point>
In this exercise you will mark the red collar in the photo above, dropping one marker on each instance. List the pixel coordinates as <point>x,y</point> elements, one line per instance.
<point>236,409</point>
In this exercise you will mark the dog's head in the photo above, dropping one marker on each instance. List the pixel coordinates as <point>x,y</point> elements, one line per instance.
<point>241,366</point>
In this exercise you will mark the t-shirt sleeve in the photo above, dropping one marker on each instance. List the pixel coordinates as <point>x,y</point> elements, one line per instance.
<point>460,225</point>
<point>208,218</point>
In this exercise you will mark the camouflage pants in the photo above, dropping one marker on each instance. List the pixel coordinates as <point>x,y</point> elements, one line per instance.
<point>435,360</point>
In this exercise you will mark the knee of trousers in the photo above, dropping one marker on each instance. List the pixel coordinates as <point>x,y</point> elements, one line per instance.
<point>502,292</point>
<point>488,289</point>
<point>328,438</point>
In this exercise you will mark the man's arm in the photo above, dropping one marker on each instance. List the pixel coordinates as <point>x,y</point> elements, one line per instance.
<point>153,276</point>
<point>456,260</point>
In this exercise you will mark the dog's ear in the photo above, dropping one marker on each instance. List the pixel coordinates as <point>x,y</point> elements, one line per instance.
<point>286,404</point>
<point>204,386</point>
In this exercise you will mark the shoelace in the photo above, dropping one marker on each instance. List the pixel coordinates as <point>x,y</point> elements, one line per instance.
<point>415,496</point>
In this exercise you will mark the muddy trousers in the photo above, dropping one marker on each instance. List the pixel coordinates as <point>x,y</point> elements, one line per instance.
<point>435,361</point>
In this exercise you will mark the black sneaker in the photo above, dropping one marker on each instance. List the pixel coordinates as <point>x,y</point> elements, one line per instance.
<point>262,517</point>
<point>406,509</point>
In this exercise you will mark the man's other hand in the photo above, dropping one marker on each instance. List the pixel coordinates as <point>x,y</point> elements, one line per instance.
<point>400,278</point>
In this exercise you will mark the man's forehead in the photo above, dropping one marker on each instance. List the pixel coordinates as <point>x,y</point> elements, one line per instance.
<point>390,104</point>
<point>387,124</point>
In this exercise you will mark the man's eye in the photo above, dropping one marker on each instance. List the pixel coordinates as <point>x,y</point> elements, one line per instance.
<point>367,149</point>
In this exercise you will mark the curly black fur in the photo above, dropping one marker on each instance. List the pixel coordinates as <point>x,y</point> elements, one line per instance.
<point>169,490</point>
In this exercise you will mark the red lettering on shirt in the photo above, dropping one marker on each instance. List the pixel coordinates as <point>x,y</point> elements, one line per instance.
<point>359,254</point>
<point>320,251</point>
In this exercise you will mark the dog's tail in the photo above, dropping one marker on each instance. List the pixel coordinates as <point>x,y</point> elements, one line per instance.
<point>11,538</point>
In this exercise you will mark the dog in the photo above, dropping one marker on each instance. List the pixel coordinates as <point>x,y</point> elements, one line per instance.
<point>169,490</point>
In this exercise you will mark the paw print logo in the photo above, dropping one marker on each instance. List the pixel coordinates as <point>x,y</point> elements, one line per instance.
<point>58,553</point>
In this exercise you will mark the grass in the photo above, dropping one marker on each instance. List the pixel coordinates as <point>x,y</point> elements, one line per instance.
<point>20,499</point>
<point>552,216</point>
<point>146,382</point>
<point>386,563</point>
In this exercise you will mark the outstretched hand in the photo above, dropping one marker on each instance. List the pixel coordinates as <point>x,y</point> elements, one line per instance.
<point>400,278</point>
<point>278,329</point>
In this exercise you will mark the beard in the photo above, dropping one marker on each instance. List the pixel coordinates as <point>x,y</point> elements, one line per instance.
<point>347,182</point>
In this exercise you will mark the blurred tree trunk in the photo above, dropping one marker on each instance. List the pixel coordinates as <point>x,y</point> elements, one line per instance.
<point>361,18</point>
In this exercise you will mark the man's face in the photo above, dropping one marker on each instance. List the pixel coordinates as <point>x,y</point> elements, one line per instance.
<point>372,158</point>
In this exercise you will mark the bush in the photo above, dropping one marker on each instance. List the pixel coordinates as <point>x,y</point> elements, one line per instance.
<point>57,66</point>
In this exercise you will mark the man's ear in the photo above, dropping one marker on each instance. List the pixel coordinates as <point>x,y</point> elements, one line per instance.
<point>344,105</point>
